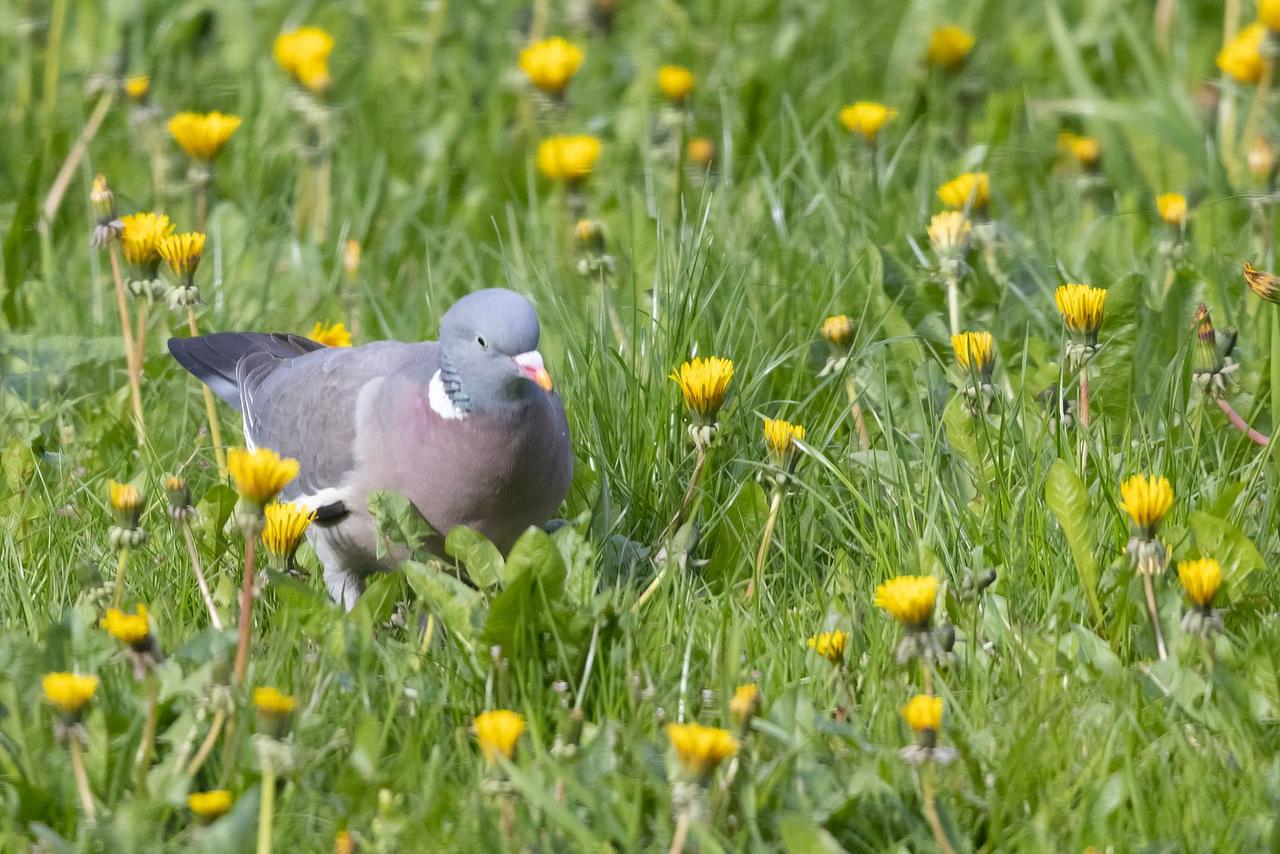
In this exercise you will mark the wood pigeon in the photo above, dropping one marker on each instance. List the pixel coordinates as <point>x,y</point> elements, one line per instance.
<point>467,428</point>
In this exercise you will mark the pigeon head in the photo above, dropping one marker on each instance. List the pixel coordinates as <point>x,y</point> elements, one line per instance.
<point>490,344</point>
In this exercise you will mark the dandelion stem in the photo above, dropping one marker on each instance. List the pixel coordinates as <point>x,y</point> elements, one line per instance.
<point>855,409</point>
<point>674,525</point>
<point>140,337</point>
<point>246,608</point>
<point>206,746</point>
<point>82,779</point>
<point>1084,415</point>
<point>122,567</point>
<point>210,409</point>
<point>683,820</point>
<point>1149,588</point>
<point>200,194</point>
<point>130,351</point>
<point>200,579</point>
<point>1240,424</point>
<point>930,808</point>
<point>953,303</point>
<point>147,748</point>
<point>267,803</point>
<point>775,505</point>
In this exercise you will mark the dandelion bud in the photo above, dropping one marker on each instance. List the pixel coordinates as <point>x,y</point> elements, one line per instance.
<point>1265,285</point>
<point>1262,159</point>
<point>101,197</point>
<point>275,710</point>
<point>745,704</point>
<point>838,331</point>
<point>1172,208</point>
<point>137,86</point>
<point>700,151</point>
<point>209,806</point>
<point>179,495</point>
<point>589,235</point>
<point>975,355</point>
<point>949,233</point>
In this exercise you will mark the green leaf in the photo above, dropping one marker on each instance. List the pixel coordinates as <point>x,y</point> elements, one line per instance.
<point>1068,498</point>
<point>1219,539</point>
<point>534,579</point>
<point>399,525</point>
<point>456,604</point>
<point>482,559</point>
<point>737,535</point>
<point>801,835</point>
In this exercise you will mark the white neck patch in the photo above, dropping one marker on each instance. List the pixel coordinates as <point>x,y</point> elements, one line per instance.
<point>440,402</point>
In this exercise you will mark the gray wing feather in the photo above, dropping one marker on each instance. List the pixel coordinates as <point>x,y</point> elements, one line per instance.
<point>305,407</point>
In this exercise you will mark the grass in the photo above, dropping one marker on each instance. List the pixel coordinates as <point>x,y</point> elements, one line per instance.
<point>1069,730</point>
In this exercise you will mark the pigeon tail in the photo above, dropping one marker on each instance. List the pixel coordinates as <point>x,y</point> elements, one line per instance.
<point>213,359</point>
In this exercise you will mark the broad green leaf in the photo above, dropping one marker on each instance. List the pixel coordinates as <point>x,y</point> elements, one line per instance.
<point>1219,539</point>
<point>737,535</point>
<point>456,604</point>
<point>400,527</point>
<point>802,835</point>
<point>1068,498</point>
<point>534,583</point>
<point>481,558</point>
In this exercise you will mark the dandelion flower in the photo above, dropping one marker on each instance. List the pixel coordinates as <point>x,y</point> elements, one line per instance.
<point>700,151</point>
<point>704,384</point>
<point>949,47</point>
<point>1172,208</point>
<point>133,630</point>
<point>1265,285</point>
<point>866,118</point>
<point>126,503</point>
<point>209,806</point>
<point>1241,59</point>
<point>923,713</point>
<point>700,749</point>
<point>101,197</point>
<point>1084,150</point>
<point>274,708</point>
<point>1147,499</point>
<point>141,238</point>
<point>497,732</point>
<point>550,64</point>
<point>1081,307</point>
<point>69,693</point>
<point>830,645</point>
<point>780,438</point>
<point>968,190</point>
<point>137,86</point>
<point>837,331</point>
<point>974,354</point>
<point>745,703</point>
<point>949,233</point>
<point>286,523</point>
<point>909,599</point>
<point>330,334</point>
<point>182,252</point>
<point>351,252</point>
<point>675,82</point>
<point>1201,579</point>
<point>304,53</point>
<point>203,135</point>
<point>568,158</point>
<point>260,474</point>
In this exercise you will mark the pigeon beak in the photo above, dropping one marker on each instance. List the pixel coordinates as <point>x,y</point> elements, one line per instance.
<point>530,364</point>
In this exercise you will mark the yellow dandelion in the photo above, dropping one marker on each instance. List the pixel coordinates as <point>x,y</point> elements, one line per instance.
<point>1147,499</point>
<point>182,252</point>
<point>1172,208</point>
<point>1084,150</point>
<point>137,86</point>
<point>260,474</point>
<point>866,118</point>
<point>949,47</point>
<point>344,843</point>
<point>675,82</point>
<point>124,497</point>
<point>178,493</point>
<point>745,703</point>
<point>1265,285</point>
<point>551,63</point>
<point>1081,307</point>
<point>141,238</point>
<point>351,253</point>
<point>700,151</point>
<point>949,232</point>
<point>700,749</point>
<point>1241,59</point>
<point>780,437</point>
<point>273,702</point>
<point>211,805</point>
<point>568,158</point>
<point>304,53</point>
<point>130,629</point>
<point>330,334</point>
<point>704,384</point>
<point>69,693</point>
<point>1201,579</point>
<point>969,190</point>
<point>203,135</point>
<point>1261,158</point>
<point>837,331</point>
<point>497,731</point>
<point>909,599</point>
<point>974,353</point>
<point>923,713</point>
<point>830,645</point>
<point>101,197</point>
<point>286,523</point>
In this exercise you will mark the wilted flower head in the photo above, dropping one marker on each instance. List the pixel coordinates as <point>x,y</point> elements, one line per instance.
<point>551,63</point>
<point>568,158</point>
<point>203,135</point>
<point>745,703</point>
<point>700,749</point>
<point>909,599</point>
<point>675,82</point>
<point>330,334</point>
<point>704,384</point>
<point>133,630</point>
<point>1081,307</point>
<point>1201,579</point>
<point>949,233</point>
<point>866,118</point>
<point>830,645</point>
<point>837,331</point>
<point>1241,59</point>
<point>209,806</point>
<point>497,732</point>
<point>970,190</point>
<point>69,693</point>
<point>1172,208</point>
<point>949,47</point>
<point>974,354</point>
<point>701,151</point>
<point>285,525</point>
<point>1147,499</point>
<point>141,238</point>
<point>304,53</point>
<point>1084,150</point>
<point>136,86</point>
<point>1265,285</point>
<point>260,474</point>
<point>182,252</point>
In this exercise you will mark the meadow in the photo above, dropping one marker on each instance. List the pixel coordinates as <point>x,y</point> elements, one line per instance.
<point>920,403</point>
